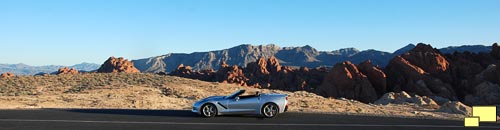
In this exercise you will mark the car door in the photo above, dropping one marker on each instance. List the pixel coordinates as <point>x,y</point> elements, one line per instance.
<point>244,105</point>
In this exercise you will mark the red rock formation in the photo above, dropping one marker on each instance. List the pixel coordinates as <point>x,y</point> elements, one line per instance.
<point>423,71</point>
<point>7,75</point>
<point>182,71</point>
<point>404,76</point>
<point>231,74</point>
<point>187,72</point>
<point>270,74</point>
<point>273,65</point>
<point>427,58</point>
<point>345,80</point>
<point>258,68</point>
<point>116,65</point>
<point>260,74</point>
<point>66,70</point>
<point>376,76</point>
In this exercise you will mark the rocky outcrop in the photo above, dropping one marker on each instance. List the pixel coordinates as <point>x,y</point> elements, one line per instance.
<point>117,65</point>
<point>455,108</point>
<point>495,51</point>
<point>187,72</point>
<point>182,71</point>
<point>231,74</point>
<point>298,79</point>
<point>403,97</point>
<point>464,66</point>
<point>66,70</point>
<point>345,80</point>
<point>427,58</point>
<point>264,73</point>
<point>423,71</point>
<point>6,75</point>
<point>376,76</point>
<point>488,93</point>
<point>408,75</point>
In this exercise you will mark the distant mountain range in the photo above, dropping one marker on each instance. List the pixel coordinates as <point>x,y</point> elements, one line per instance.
<point>23,69</point>
<point>290,56</point>
<point>243,54</point>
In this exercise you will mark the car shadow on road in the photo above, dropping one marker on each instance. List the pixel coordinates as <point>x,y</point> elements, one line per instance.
<point>139,112</point>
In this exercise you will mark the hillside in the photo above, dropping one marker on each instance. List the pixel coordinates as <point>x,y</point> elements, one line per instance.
<point>150,91</point>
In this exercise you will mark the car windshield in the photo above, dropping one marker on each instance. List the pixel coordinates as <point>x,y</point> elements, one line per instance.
<point>237,93</point>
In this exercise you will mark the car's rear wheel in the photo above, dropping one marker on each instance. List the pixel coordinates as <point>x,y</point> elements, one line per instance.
<point>209,110</point>
<point>270,110</point>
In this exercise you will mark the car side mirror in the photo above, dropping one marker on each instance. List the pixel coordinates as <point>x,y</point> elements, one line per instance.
<point>237,98</point>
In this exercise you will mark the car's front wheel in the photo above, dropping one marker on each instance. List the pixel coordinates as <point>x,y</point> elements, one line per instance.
<point>209,110</point>
<point>270,110</point>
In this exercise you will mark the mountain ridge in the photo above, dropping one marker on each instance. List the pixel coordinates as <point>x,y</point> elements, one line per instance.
<point>306,55</point>
<point>24,69</point>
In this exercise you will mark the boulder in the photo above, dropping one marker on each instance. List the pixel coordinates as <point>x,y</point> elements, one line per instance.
<point>7,75</point>
<point>117,65</point>
<point>66,70</point>
<point>345,80</point>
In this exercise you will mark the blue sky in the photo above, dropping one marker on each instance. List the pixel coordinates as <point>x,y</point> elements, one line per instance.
<point>66,32</point>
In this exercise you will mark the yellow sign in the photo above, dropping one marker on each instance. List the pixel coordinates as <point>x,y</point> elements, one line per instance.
<point>481,114</point>
<point>485,113</point>
<point>471,122</point>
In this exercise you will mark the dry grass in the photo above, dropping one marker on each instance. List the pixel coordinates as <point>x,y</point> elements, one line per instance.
<point>150,91</point>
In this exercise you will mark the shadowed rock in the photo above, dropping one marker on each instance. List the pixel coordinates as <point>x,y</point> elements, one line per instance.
<point>345,80</point>
<point>376,76</point>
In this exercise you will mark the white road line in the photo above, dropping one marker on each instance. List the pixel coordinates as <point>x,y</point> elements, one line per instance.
<point>238,124</point>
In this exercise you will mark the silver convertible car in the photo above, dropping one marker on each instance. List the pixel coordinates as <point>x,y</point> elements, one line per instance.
<point>267,105</point>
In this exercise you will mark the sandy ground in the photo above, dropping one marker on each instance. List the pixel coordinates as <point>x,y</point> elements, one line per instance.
<point>180,93</point>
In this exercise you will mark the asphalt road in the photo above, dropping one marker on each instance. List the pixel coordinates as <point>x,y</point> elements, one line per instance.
<point>98,119</point>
